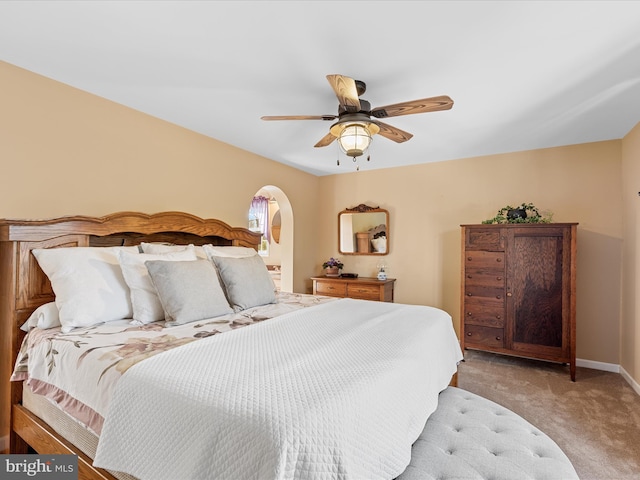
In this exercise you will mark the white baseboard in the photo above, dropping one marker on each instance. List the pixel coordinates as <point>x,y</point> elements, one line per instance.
<point>606,367</point>
<point>635,385</point>
<point>610,367</point>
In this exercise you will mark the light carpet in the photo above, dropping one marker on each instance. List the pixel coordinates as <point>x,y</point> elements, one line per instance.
<point>595,420</point>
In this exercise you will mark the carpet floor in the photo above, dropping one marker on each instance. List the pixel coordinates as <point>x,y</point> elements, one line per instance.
<point>595,420</point>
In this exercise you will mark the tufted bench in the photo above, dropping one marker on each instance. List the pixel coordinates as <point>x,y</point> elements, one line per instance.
<point>469,437</point>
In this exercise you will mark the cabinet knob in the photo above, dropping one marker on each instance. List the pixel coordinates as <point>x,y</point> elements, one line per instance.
<point>498,260</point>
<point>497,338</point>
<point>468,334</point>
<point>498,278</point>
<point>469,276</point>
<point>498,297</point>
<point>498,317</point>
<point>509,294</point>
<point>469,258</point>
<point>468,294</point>
<point>469,313</point>
<point>331,288</point>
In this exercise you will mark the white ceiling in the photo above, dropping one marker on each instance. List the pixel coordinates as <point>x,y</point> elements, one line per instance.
<point>523,75</point>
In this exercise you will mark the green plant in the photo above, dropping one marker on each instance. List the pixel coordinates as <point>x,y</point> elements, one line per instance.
<point>332,262</point>
<point>532,215</point>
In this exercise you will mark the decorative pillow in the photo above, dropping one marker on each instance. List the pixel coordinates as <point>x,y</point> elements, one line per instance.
<point>45,316</point>
<point>246,280</point>
<point>234,252</point>
<point>144,298</point>
<point>88,284</point>
<point>188,291</point>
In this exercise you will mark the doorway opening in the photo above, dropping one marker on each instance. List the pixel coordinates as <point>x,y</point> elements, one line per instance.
<point>270,213</point>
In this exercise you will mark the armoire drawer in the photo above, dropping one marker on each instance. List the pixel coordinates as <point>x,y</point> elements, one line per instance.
<point>485,315</point>
<point>488,276</point>
<point>487,336</point>
<point>484,260</point>
<point>484,292</point>
<point>485,239</point>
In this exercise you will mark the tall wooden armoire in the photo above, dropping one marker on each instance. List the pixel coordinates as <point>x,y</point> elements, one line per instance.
<point>519,290</point>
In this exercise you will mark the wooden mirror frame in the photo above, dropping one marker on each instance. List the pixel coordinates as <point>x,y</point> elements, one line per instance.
<point>355,238</point>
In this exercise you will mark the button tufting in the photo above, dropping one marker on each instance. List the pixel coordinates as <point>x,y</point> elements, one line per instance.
<point>545,459</point>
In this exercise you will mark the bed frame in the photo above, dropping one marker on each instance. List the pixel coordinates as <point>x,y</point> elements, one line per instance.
<point>24,287</point>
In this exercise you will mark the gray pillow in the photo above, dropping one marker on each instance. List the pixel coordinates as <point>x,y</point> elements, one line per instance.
<point>188,290</point>
<point>246,281</point>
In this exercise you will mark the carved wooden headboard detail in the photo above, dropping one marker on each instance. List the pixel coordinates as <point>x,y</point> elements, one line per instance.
<point>24,287</point>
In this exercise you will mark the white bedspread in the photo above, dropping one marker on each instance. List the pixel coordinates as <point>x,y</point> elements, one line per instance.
<point>335,391</point>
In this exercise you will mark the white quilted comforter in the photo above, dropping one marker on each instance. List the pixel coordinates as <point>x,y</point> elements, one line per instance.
<point>336,391</point>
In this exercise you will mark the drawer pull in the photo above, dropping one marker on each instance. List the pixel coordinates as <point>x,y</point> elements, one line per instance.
<point>509,294</point>
<point>362,290</point>
<point>468,294</point>
<point>469,334</point>
<point>498,338</point>
<point>469,313</point>
<point>498,260</point>
<point>498,278</point>
<point>498,297</point>
<point>331,288</point>
<point>469,258</point>
<point>498,317</point>
<point>469,276</point>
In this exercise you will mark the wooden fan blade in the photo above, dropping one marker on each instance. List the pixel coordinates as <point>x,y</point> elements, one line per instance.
<point>432,104</point>
<point>299,117</point>
<point>393,133</point>
<point>346,91</point>
<point>326,140</point>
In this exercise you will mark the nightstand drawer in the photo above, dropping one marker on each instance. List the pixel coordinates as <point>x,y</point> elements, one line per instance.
<point>332,289</point>
<point>364,292</point>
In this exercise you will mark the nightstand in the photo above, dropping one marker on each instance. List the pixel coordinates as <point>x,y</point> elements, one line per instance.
<point>362,288</point>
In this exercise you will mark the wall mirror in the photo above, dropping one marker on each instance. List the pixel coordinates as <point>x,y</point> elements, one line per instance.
<point>363,230</point>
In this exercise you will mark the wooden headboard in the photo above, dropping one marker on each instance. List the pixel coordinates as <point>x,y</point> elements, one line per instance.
<point>24,287</point>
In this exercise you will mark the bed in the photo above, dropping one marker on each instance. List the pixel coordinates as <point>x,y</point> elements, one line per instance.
<point>304,327</point>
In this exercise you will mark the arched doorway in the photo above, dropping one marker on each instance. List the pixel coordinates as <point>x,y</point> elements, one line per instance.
<point>277,252</point>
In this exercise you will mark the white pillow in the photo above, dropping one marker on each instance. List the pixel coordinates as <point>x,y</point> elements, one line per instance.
<point>45,316</point>
<point>88,284</point>
<point>160,248</point>
<point>144,297</point>
<point>232,252</point>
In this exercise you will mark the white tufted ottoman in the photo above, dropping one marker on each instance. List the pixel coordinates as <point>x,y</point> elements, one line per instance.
<point>470,437</point>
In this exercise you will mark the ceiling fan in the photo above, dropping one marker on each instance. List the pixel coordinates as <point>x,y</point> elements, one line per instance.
<point>357,122</point>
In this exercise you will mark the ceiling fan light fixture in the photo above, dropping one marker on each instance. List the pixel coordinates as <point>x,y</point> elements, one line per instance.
<point>354,138</point>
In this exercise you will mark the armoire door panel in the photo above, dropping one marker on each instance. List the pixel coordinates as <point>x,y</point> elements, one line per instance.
<point>536,289</point>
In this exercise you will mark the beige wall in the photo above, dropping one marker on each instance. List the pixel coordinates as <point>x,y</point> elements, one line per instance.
<point>66,152</point>
<point>630,327</point>
<point>428,202</point>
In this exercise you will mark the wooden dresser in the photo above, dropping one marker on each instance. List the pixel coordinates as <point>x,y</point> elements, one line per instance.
<point>519,290</point>
<point>362,288</point>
